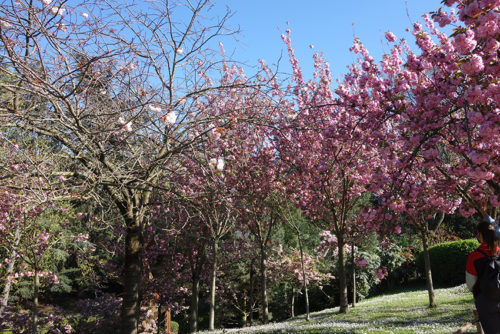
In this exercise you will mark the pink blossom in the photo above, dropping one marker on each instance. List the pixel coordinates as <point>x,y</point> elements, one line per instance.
<point>215,134</point>
<point>361,263</point>
<point>380,273</point>
<point>430,154</point>
<point>473,65</point>
<point>475,95</point>
<point>494,201</point>
<point>479,157</point>
<point>475,117</point>
<point>480,174</point>
<point>397,229</point>
<point>390,36</point>
<point>68,329</point>
<point>467,211</point>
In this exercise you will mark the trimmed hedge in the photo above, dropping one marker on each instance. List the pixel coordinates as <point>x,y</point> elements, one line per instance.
<point>447,261</point>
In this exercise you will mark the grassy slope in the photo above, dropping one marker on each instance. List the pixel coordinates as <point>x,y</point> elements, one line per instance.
<point>405,312</point>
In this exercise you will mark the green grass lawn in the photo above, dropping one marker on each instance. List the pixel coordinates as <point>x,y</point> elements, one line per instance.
<point>399,313</point>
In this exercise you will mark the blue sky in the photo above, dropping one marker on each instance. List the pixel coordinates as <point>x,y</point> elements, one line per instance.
<point>326,24</point>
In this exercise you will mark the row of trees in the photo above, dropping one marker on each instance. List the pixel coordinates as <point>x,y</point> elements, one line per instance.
<point>175,156</point>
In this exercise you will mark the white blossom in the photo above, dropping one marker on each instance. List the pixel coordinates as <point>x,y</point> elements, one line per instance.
<point>291,115</point>
<point>170,118</point>
<point>5,24</point>
<point>57,10</point>
<point>62,27</point>
<point>128,126</point>
<point>212,163</point>
<point>155,108</point>
<point>220,164</point>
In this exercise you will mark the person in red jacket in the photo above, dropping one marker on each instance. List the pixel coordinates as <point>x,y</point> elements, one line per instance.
<point>488,310</point>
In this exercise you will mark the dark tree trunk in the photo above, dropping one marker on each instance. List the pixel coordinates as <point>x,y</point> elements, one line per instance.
<point>132,276</point>
<point>353,277</point>
<point>263,272</point>
<point>428,271</point>
<point>161,318</point>
<point>344,306</point>
<point>193,315</point>
<point>251,293</point>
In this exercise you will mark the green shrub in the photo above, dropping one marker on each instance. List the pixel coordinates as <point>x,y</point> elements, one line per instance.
<point>174,326</point>
<point>448,261</point>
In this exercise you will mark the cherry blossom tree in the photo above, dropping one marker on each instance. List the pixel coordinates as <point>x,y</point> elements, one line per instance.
<point>445,101</point>
<point>119,88</point>
<point>327,151</point>
<point>439,155</point>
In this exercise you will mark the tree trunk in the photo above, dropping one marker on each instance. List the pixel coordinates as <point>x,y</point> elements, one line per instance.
<point>263,272</point>
<point>353,277</point>
<point>251,295</point>
<point>132,276</point>
<point>193,315</point>
<point>36,288</point>
<point>306,293</point>
<point>428,271</point>
<point>292,306</point>
<point>211,320</point>
<point>244,315</point>
<point>344,306</point>
<point>10,270</point>
<point>160,321</point>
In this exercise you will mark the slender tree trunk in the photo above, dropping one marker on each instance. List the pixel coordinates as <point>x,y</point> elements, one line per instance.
<point>292,303</point>
<point>10,270</point>
<point>263,272</point>
<point>161,318</point>
<point>344,306</point>
<point>428,271</point>
<point>132,277</point>
<point>251,293</point>
<point>306,293</point>
<point>354,292</point>
<point>211,320</point>
<point>193,316</point>
<point>35,301</point>
<point>244,315</point>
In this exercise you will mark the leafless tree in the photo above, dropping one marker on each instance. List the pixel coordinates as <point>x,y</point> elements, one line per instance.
<point>118,86</point>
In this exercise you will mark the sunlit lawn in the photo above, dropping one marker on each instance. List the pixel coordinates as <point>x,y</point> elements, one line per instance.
<point>405,312</point>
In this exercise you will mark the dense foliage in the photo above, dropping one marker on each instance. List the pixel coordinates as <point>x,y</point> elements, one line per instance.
<point>143,173</point>
<point>448,261</point>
